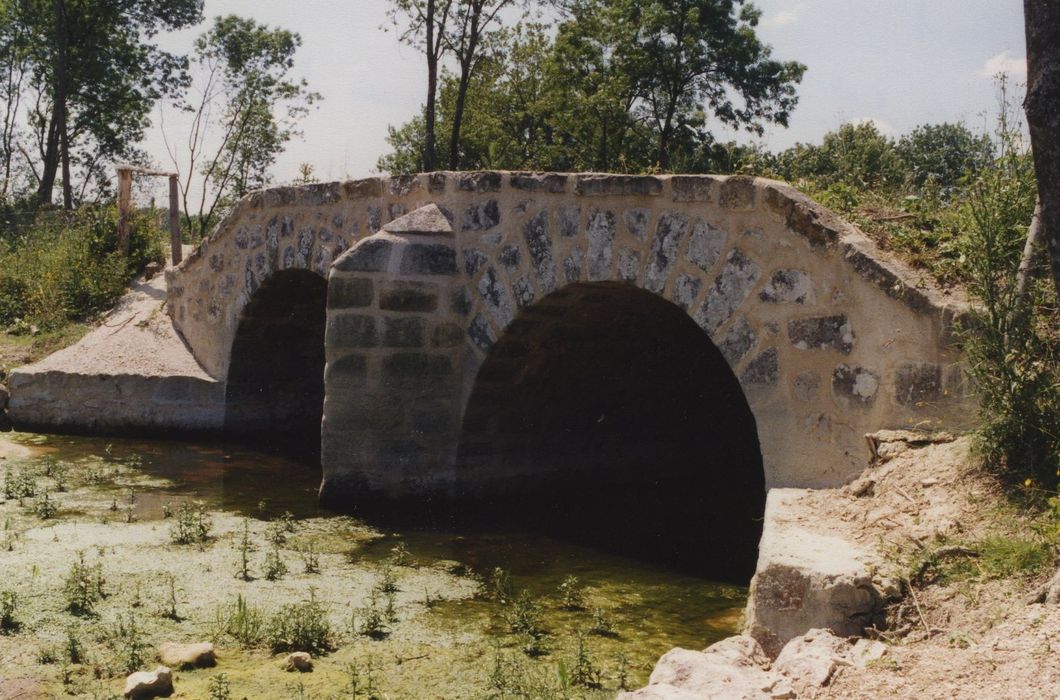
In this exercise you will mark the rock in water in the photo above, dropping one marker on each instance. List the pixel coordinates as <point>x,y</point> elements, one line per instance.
<point>298,661</point>
<point>143,685</point>
<point>185,656</point>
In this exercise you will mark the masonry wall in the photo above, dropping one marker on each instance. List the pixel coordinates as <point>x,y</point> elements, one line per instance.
<point>829,338</point>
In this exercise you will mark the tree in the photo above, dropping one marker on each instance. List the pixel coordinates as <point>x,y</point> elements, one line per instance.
<point>1042,21</point>
<point>426,30</point>
<point>943,154</point>
<point>246,96</point>
<point>95,76</point>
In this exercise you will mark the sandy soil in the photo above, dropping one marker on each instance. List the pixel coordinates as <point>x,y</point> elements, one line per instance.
<point>965,639</point>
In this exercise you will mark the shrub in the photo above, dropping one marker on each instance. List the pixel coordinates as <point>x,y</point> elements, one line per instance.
<point>8,606</point>
<point>242,622</point>
<point>300,627</point>
<point>64,266</point>
<point>274,567</point>
<point>83,586</point>
<point>192,524</point>
<point>572,596</point>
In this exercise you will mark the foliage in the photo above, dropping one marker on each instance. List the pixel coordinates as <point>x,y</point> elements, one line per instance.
<point>1012,344</point>
<point>128,643</point>
<point>83,586</point>
<point>88,78</point>
<point>219,687</point>
<point>300,627</point>
<point>242,622</point>
<point>274,566</point>
<point>248,100</point>
<point>616,85</point>
<point>192,524</point>
<point>65,266</point>
<point>8,607</point>
<point>572,594</point>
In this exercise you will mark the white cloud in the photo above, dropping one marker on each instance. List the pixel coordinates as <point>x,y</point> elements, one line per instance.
<point>881,126</point>
<point>783,18</point>
<point>1005,62</point>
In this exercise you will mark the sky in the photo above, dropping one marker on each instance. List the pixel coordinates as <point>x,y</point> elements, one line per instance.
<point>899,63</point>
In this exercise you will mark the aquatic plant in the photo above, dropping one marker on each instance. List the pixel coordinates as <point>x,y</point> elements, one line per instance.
<point>245,547</point>
<point>572,595</point>
<point>584,672</point>
<point>300,627</point>
<point>310,559</point>
<point>373,624</point>
<point>274,568</point>
<point>83,586</point>
<point>524,615</point>
<point>73,650</point>
<point>20,485</point>
<point>170,609</point>
<point>45,507</point>
<point>9,624</point>
<point>242,622</point>
<point>126,639</point>
<point>219,687</point>
<point>400,555</point>
<point>192,524</point>
<point>602,624</point>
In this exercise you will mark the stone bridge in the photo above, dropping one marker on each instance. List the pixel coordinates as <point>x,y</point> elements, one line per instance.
<point>495,332</point>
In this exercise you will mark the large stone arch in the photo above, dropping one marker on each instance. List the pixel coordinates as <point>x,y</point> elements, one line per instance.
<point>829,336</point>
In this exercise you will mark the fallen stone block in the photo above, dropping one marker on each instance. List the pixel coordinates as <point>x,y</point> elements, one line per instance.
<point>184,656</point>
<point>143,685</point>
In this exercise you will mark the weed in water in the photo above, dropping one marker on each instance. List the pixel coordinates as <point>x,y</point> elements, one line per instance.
<point>358,687</point>
<point>74,651</point>
<point>169,610</point>
<point>524,615</point>
<point>219,688</point>
<point>280,528</point>
<point>20,485</point>
<point>45,507</point>
<point>83,586</point>
<point>9,624</point>
<point>572,595</point>
<point>242,622</point>
<point>310,559</point>
<point>245,548</point>
<point>274,569</point>
<point>584,673</point>
<point>301,627</point>
<point>499,586</point>
<point>47,656</point>
<point>192,525</point>
<point>126,639</point>
<point>400,556</point>
<point>373,625</point>
<point>602,625</point>
<point>167,511</point>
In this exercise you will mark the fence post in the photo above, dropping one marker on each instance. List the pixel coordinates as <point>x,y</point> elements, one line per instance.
<point>124,208</point>
<point>174,222</point>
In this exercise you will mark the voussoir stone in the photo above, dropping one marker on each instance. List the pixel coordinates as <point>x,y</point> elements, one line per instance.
<point>428,220</point>
<point>198,655</point>
<point>149,684</point>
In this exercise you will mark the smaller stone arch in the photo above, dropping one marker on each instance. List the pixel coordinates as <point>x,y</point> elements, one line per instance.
<point>275,387</point>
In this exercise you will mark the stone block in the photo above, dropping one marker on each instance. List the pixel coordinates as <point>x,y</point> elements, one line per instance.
<point>918,382</point>
<point>637,222</point>
<point>669,232</point>
<point>319,194</point>
<point>822,332</point>
<point>481,333</point>
<point>401,185</point>
<point>510,256</point>
<point>730,288</point>
<point>552,183</point>
<point>539,245</point>
<point>347,372</point>
<point>601,235</point>
<point>738,342</point>
<point>351,331</point>
<point>436,182</point>
<point>691,188</point>
<point>428,259</point>
<point>447,335</point>
<point>498,301</point>
<point>482,216</point>
<point>790,287</point>
<point>705,245</point>
<point>474,260</point>
<point>685,290</point>
<point>569,217</point>
<point>370,255</point>
<point>479,182</point>
<point>763,371</point>
<point>411,370</point>
<point>432,417</point>
<point>368,187</point>
<point>409,297</point>
<point>404,332</point>
<point>349,292</point>
<point>360,411</point>
<point>855,386</point>
<point>629,185</point>
<point>737,193</point>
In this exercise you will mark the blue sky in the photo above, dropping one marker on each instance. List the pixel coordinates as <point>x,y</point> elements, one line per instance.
<point>897,62</point>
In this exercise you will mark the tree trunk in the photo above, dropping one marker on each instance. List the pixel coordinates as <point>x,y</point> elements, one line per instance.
<point>467,62</point>
<point>50,162</point>
<point>1042,24</point>
<point>432,90</point>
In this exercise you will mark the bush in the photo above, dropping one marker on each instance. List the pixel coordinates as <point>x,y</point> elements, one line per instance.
<point>83,587</point>
<point>300,627</point>
<point>64,266</point>
<point>192,524</point>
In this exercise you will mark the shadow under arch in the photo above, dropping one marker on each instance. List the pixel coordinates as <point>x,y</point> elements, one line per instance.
<point>604,413</point>
<point>275,389</point>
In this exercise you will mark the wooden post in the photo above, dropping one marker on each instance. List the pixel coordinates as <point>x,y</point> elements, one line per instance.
<point>124,208</point>
<point>174,222</point>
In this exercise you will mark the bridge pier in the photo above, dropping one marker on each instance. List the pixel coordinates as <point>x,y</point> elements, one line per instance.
<point>394,365</point>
